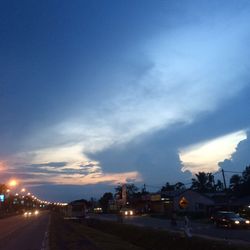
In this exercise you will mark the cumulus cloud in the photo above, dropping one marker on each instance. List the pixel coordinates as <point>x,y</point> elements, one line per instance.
<point>240,158</point>
<point>205,156</point>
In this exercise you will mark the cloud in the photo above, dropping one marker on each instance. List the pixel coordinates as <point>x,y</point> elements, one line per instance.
<point>205,156</point>
<point>78,179</point>
<point>50,164</point>
<point>182,74</point>
<point>240,158</point>
<point>175,76</point>
<point>74,168</point>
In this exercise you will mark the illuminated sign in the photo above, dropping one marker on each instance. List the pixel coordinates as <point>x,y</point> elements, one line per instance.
<point>183,203</point>
<point>1,197</point>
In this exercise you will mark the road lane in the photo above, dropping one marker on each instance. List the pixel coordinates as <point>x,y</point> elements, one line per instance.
<point>20,233</point>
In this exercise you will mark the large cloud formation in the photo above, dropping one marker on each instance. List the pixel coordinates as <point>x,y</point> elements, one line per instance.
<point>111,120</point>
<point>240,158</point>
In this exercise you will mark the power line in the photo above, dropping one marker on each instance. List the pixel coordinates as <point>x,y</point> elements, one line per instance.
<point>233,172</point>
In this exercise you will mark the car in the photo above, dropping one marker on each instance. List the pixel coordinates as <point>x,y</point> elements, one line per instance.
<point>230,220</point>
<point>127,211</point>
<point>30,213</point>
<point>27,214</point>
<point>98,210</point>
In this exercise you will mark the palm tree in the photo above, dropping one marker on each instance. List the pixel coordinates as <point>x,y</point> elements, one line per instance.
<point>204,182</point>
<point>219,186</point>
<point>246,174</point>
<point>235,182</point>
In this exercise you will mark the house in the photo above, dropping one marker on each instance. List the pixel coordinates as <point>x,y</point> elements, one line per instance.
<point>192,201</point>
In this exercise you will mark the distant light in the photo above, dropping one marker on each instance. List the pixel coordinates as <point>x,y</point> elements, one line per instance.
<point>23,190</point>
<point>12,183</point>
<point>2,197</point>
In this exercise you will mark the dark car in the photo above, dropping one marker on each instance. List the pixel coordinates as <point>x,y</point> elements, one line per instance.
<point>230,220</point>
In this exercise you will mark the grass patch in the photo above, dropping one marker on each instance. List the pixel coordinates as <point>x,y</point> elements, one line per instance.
<point>72,235</point>
<point>150,239</point>
<point>94,234</point>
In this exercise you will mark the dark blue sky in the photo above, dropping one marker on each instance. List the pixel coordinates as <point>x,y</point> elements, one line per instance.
<point>96,93</point>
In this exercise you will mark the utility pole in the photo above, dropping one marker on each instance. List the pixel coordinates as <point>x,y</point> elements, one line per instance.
<point>224,180</point>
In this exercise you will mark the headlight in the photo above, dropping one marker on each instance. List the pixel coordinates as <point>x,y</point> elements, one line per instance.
<point>29,213</point>
<point>126,212</point>
<point>247,221</point>
<point>131,212</point>
<point>36,212</point>
<point>237,222</point>
<point>25,214</point>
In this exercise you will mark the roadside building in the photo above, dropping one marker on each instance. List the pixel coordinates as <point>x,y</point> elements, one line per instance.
<point>76,208</point>
<point>161,203</point>
<point>193,202</point>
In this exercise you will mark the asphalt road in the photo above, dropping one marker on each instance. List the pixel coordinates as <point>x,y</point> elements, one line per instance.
<point>20,233</point>
<point>199,229</point>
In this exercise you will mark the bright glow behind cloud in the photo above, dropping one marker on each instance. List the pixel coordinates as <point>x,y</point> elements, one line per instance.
<point>205,156</point>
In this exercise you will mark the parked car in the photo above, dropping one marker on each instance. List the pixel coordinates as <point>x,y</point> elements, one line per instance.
<point>230,220</point>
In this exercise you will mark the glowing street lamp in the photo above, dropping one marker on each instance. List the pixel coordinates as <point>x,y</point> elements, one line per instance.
<point>12,183</point>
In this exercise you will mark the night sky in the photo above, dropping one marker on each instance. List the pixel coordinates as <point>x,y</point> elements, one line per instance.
<point>98,93</point>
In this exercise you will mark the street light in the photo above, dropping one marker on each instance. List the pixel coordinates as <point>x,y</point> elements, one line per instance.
<point>12,183</point>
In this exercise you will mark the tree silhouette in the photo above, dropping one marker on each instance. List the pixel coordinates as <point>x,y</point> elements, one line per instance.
<point>235,182</point>
<point>131,190</point>
<point>219,186</point>
<point>204,182</point>
<point>104,201</point>
<point>174,187</point>
<point>3,188</point>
